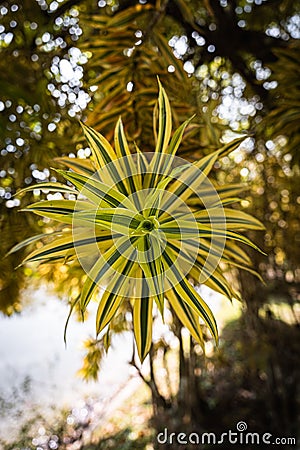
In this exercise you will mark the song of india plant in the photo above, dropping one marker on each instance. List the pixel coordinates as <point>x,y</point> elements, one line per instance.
<point>146,227</point>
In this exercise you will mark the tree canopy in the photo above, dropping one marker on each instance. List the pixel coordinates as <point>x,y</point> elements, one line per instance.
<point>234,64</point>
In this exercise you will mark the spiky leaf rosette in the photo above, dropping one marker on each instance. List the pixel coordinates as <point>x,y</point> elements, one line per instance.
<point>143,225</point>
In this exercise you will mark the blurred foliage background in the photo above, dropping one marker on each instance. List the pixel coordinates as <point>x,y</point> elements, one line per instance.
<point>233,63</point>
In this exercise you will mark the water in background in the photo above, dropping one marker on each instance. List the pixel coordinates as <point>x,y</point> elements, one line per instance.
<point>37,371</point>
